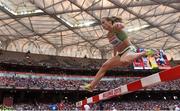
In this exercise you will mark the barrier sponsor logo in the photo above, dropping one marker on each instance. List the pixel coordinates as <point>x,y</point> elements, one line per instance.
<point>107,94</point>
<point>117,91</point>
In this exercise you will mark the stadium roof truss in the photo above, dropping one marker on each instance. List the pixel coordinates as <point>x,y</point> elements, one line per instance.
<point>72,27</point>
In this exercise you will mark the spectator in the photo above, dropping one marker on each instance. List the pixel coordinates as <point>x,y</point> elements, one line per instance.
<point>87,107</point>
<point>177,108</point>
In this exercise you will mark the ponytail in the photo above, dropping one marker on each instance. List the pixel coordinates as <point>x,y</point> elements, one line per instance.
<point>116,19</point>
<point>113,19</point>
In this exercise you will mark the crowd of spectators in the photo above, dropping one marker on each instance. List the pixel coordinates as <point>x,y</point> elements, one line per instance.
<point>50,82</point>
<point>138,105</point>
<point>45,106</point>
<point>74,83</point>
<point>47,60</point>
<point>52,61</point>
<point>107,105</point>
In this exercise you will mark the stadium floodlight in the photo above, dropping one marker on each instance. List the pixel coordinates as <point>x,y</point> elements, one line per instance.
<point>68,23</point>
<point>84,23</point>
<point>136,28</point>
<point>22,12</point>
<point>76,23</point>
<point>175,97</point>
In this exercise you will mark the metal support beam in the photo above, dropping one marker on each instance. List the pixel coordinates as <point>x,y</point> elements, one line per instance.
<point>171,47</point>
<point>5,24</point>
<point>14,17</point>
<point>167,4</point>
<point>65,24</point>
<point>135,4</point>
<point>85,10</point>
<point>115,2</point>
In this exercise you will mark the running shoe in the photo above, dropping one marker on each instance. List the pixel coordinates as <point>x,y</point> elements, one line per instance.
<point>149,52</point>
<point>87,87</point>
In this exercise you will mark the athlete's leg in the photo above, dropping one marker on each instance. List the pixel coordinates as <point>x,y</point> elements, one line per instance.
<point>128,57</point>
<point>109,64</point>
<point>115,61</point>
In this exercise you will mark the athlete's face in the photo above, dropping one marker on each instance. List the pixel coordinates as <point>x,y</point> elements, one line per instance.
<point>107,25</point>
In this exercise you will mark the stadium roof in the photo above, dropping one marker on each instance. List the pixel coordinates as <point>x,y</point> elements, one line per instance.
<point>72,27</point>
